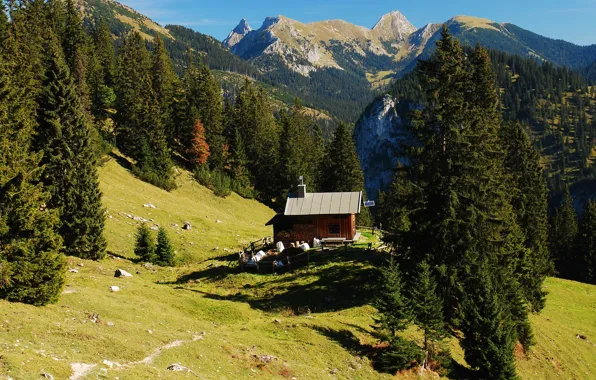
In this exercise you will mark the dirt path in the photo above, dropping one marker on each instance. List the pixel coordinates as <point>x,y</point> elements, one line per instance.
<point>82,369</point>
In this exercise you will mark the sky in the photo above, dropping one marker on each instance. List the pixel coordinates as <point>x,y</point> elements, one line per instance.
<point>570,20</point>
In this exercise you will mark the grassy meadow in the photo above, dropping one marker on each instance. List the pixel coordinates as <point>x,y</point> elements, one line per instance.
<point>219,323</point>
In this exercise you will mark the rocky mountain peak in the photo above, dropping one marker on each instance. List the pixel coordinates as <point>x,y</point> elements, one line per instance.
<point>243,28</point>
<point>270,21</point>
<point>236,35</point>
<point>394,26</point>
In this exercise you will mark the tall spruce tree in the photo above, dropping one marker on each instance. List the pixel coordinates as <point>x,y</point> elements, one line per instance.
<point>135,101</point>
<point>253,118</point>
<point>393,308</point>
<point>65,137</point>
<point>489,334</point>
<point>205,95</point>
<point>76,45</point>
<point>101,72</point>
<point>31,265</point>
<point>455,197</point>
<point>301,150</point>
<point>562,236</point>
<point>341,170</point>
<point>586,245</point>
<point>427,310</point>
<point>140,129</point>
<point>529,200</point>
<point>163,79</point>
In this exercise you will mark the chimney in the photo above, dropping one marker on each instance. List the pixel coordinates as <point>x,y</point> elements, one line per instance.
<point>301,188</point>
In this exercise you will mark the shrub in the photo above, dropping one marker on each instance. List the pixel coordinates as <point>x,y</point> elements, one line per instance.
<point>203,175</point>
<point>218,181</point>
<point>167,184</point>
<point>244,191</point>
<point>221,184</point>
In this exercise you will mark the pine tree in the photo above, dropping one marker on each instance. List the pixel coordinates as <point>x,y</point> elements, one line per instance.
<point>562,236</point>
<point>489,334</point>
<point>253,118</point>
<point>31,265</point>
<point>163,78</point>
<point>76,46</point>
<point>141,129</point>
<point>205,95</point>
<point>586,245</point>
<point>135,101</point>
<point>144,244</point>
<point>299,154</point>
<point>182,120</point>
<point>454,199</point>
<point>104,51</point>
<point>428,310</point>
<point>101,72</point>
<point>393,309</point>
<point>529,200</point>
<point>164,252</point>
<point>239,162</point>
<point>65,137</point>
<point>200,148</point>
<point>342,171</point>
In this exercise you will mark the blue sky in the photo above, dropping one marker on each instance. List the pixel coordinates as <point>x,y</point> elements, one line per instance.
<point>571,20</point>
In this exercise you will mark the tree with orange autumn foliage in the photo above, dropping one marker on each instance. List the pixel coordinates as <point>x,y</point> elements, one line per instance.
<point>199,150</point>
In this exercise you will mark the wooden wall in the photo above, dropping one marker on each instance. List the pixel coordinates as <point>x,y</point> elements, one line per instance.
<point>306,228</point>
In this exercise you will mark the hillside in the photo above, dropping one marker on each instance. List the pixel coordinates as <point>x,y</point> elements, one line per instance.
<point>219,323</point>
<point>217,223</point>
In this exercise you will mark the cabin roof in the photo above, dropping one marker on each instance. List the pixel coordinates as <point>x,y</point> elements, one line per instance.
<point>324,204</point>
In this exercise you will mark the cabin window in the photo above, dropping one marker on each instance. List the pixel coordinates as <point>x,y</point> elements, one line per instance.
<point>333,229</point>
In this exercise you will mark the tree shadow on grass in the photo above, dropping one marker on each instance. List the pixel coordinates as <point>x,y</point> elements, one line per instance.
<point>334,281</point>
<point>346,339</point>
<point>134,260</point>
<point>121,160</point>
<point>335,288</point>
<point>214,273</point>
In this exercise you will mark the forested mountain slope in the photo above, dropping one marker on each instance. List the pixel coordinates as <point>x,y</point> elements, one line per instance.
<point>556,104</point>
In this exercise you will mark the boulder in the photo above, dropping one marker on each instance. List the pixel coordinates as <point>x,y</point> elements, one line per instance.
<point>187,226</point>
<point>122,273</point>
<point>176,368</point>
<point>114,289</point>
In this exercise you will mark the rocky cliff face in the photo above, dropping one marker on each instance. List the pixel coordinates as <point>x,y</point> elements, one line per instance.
<point>380,137</point>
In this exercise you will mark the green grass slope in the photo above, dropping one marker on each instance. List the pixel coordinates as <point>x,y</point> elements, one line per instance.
<point>217,224</point>
<point>219,323</point>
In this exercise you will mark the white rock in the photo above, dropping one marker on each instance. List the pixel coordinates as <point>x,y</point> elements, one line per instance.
<point>122,273</point>
<point>114,288</point>
<point>73,271</point>
<point>176,368</point>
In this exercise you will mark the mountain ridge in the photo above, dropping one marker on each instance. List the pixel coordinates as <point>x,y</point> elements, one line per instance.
<point>307,47</point>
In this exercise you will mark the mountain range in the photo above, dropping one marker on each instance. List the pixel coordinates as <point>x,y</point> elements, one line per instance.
<point>393,44</point>
<point>333,66</point>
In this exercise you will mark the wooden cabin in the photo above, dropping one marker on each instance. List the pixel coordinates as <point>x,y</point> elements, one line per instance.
<point>325,216</point>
